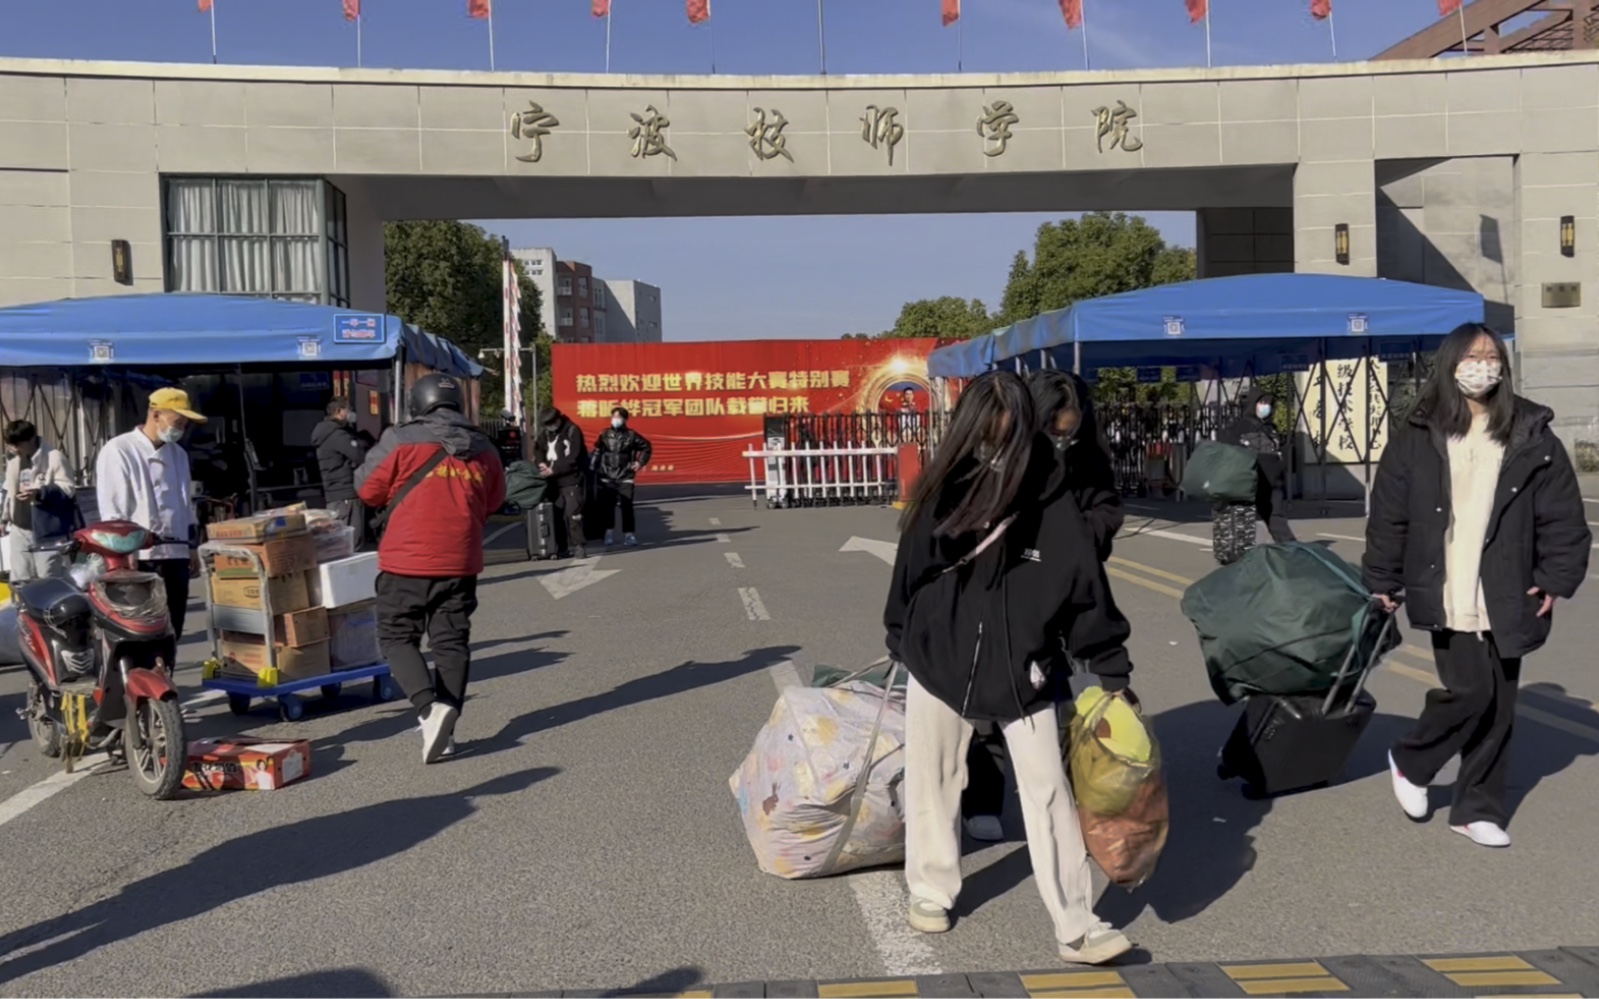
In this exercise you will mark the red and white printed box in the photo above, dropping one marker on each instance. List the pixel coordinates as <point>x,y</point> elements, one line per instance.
<point>240,764</point>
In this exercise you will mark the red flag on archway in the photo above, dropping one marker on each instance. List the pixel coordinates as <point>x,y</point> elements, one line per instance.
<point>1447,7</point>
<point>477,8</point>
<point>205,5</point>
<point>952,12</point>
<point>602,8</point>
<point>1072,11</point>
<point>699,11</point>
<point>1321,10</point>
<point>352,10</point>
<point>1198,10</point>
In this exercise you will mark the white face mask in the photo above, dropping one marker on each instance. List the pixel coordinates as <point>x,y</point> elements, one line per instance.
<point>1264,412</point>
<point>170,435</point>
<point>1477,378</point>
<point>617,421</point>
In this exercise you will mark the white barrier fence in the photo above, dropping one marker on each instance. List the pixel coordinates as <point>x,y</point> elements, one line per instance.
<point>823,476</point>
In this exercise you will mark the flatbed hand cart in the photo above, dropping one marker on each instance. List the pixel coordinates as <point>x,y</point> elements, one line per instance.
<point>268,684</point>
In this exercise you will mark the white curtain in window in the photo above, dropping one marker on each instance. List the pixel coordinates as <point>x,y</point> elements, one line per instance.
<point>191,259</point>
<point>296,208</point>
<point>244,206</point>
<point>246,265</point>
<point>294,265</point>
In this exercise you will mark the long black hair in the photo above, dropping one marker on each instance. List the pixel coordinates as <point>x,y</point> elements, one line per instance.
<point>1053,391</point>
<point>985,450</point>
<point>1441,403</point>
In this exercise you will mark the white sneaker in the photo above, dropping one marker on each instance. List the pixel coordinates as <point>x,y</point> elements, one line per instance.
<point>1096,947</point>
<point>438,726</point>
<point>1484,834</point>
<point>928,917</point>
<point>1412,799</point>
<point>610,538</point>
<point>631,541</point>
<point>985,829</point>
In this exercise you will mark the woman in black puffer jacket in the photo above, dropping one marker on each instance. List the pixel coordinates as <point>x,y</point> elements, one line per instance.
<point>1477,523</point>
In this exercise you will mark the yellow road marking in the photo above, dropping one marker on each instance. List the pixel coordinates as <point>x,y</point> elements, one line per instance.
<point>1151,570</point>
<point>1540,716</point>
<point>1071,980</point>
<point>866,990</point>
<point>1303,969</point>
<point>1122,992</point>
<point>1288,986</point>
<point>1503,978</point>
<point>702,994</point>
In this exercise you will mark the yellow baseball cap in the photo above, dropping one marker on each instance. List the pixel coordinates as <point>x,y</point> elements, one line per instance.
<point>173,400</point>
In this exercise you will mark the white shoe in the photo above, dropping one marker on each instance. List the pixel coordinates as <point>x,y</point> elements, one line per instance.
<point>1412,799</point>
<point>1484,834</point>
<point>1096,947</point>
<point>631,541</point>
<point>438,726</point>
<point>985,829</point>
<point>928,917</point>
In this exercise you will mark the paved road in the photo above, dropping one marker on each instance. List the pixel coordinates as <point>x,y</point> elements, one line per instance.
<point>586,837</point>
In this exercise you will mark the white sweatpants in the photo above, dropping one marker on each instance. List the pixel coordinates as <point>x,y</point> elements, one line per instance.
<point>936,740</point>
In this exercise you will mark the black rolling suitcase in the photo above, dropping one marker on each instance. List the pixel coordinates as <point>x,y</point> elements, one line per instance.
<point>1294,743</point>
<point>541,540</point>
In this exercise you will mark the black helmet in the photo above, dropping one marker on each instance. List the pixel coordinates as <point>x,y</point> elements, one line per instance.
<point>435,392</point>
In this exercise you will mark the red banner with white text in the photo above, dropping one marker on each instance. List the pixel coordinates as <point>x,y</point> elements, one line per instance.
<point>703,404</point>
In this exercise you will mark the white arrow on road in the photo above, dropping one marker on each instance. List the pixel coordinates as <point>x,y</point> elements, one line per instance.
<point>575,577</point>
<point>884,550</point>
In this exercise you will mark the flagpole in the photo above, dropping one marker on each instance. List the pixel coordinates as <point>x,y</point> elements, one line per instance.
<point>821,34</point>
<point>711,26</point>
<point>960,46</point>
<point>1208,63</point>
<point>213,33</point>
<point>1083,13</point>
<point>609,13</point>
<point>358,19</point>
<point>1465,46</point>
<point>1332,32</point>
<point>491,37</point>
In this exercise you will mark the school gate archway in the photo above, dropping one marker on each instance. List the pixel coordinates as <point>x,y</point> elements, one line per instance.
<point>1456,172</point>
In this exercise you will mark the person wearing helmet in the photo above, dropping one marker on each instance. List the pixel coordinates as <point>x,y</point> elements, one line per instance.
<point>436,478</point>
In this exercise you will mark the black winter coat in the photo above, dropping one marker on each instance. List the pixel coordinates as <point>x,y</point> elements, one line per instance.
<point>1250,431</point>
<point>973,636</point>
<point>1537,534</point>
<point>617,451</point>
<point>339,452</point>
<point>564,450</point>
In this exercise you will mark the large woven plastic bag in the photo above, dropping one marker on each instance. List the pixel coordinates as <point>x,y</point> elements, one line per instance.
<point>1114,763</point>
<point>801,784</point>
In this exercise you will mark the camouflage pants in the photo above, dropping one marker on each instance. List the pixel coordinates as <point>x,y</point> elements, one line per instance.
<point>1233,531</point>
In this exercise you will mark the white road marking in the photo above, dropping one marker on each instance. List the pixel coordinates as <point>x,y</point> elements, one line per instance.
<point>716,521</point>
<point>1587,500</point>
<point>733,560</point>
<point>201,700</point>
<point>1342,537</point>
<point>1154,532</point>
<point>752,604</point>
<point>885,550</point>
<point>500,533</point>
<point>25,799</point>
<point>881,897</point>
<point>575,577</point>
<point>724,539</point>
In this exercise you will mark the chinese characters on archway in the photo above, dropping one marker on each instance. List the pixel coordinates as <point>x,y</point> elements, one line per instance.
<point>690,393</point>
<point>882,128</point>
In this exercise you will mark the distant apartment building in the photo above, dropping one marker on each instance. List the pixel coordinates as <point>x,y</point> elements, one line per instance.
<point>633,312</point>
<point>578,307</point>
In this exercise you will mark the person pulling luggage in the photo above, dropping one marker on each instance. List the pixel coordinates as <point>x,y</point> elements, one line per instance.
<point>1233,524</point>
<point>1063,408</point>
<point>1477,522</point>
<point>563,460</point>
<point>619,453</point>
<point>995,562</point>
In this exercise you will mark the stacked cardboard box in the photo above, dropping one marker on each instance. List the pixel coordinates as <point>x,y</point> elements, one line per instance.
<point>287,556</point>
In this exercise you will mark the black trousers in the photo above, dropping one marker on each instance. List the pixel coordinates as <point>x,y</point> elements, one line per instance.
<point>1471,716</point>
<point>985,775</point>
<point>174,573</point>
<point>353,513</point>
<point>569,499</point>
<point>612,495</point>
<point>1269,503</point>
<point>408,608</point>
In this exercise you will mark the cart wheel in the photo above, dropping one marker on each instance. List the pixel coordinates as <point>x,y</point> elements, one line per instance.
<point>291,708</point>
<point>331,690</point>
<point>238,704</point>
<point>1224,772</point>
<point>384,689</point>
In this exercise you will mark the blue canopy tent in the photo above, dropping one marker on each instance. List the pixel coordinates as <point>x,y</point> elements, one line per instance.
<point>1254,324</point>
<point>140,341</point>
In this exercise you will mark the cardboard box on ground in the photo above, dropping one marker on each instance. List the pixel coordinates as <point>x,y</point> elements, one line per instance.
<point>245,764</point>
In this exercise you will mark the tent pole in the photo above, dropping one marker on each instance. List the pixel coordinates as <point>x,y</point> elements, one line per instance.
<point>1077,358</point>
<point>244,438</point>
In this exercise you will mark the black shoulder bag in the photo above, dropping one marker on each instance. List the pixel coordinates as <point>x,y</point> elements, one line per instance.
<point>378,522</point>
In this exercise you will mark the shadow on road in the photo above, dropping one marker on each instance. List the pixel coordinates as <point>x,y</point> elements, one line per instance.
<point>677,680</point>
<point>284,855</point>
<point>334,982</point>
<point>667,983</point>
<point>1538,752</point>
<point>1212,843</point>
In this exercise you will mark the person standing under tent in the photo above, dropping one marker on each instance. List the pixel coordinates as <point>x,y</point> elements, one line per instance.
<point>1477,525</point>
<point>143,476</point>
<point>38,512</point>
<point>340,450</point>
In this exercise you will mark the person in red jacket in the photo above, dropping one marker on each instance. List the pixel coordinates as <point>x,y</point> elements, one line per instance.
<point>437,478</point>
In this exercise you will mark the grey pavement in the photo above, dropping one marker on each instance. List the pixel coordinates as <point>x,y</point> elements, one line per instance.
<point>586,838</point>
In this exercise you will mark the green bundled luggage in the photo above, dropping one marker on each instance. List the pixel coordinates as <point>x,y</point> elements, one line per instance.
<point>876,674</point>
<point>524,486</point>
<point>1217,471</point>
<point>1281,620</point>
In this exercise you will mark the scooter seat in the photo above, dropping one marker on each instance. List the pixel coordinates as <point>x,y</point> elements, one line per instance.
<point>53,601</point>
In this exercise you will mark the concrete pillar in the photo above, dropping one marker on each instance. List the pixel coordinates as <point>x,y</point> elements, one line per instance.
<point>1233,241</point>
<point>1325,195</point>
<point>368,287</point>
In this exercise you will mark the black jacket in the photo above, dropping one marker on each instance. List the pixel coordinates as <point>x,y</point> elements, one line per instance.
<point>617,451</point>
<point>339,452</point>
<point>1537,535</point>
<point>1250,431</point>
<point>973,635</point>
<point>1092,481</point>
<point>563,449</point>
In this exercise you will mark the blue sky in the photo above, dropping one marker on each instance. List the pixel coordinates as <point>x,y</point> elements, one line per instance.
<point>727,278</point>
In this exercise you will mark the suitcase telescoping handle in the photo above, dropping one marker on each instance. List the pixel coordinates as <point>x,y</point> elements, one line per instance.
<point>1354,667</point>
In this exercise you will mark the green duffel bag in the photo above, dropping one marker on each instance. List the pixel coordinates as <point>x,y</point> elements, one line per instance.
<point>1217,471</point>
<point>1281,619</point>
<point>524,486</point>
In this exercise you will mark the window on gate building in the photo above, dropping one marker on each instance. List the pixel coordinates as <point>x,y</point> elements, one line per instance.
<point>284,239</point>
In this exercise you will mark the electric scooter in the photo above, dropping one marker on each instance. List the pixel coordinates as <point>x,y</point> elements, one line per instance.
<point>100,650</point>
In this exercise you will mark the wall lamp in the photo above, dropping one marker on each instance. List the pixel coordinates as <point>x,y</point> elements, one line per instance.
<point>1568,236</point>
<point>1341,243</point>
<point>121,261</point>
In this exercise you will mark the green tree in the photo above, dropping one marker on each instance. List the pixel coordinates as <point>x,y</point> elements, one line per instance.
<point>942,317</point>
<point>1102,253</point>
<point>444,277</point>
